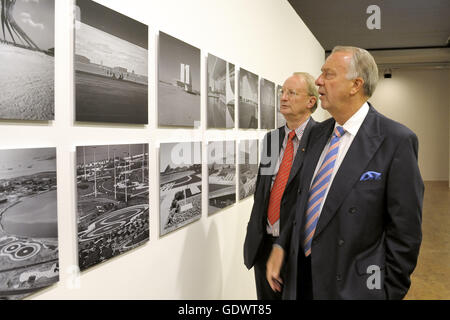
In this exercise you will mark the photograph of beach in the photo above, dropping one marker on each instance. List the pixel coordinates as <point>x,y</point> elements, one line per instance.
<point>28,221</point>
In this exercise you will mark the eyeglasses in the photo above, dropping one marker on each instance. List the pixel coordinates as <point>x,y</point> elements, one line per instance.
<point>291,93</point>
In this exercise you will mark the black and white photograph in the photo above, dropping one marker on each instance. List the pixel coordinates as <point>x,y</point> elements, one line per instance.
<point>247,167</point>
<point>27,55</point>
<point>221,97</point>
<point>280,118</point>
<point>112,201</point>
<point>111,66</point>
<point>221,175</point>
<point>28,222</point>
<point>178,83</point>
<point>267,104</point>
<point>180,185</point>
<point>248,100</point>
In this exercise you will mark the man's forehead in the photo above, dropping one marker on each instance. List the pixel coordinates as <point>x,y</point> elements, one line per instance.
<point>294,82</point>
<point>339,59</point>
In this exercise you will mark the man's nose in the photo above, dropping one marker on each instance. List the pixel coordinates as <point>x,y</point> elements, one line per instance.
<point>319,81</point>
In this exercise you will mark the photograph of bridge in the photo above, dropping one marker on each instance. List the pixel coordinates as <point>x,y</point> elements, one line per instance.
<point>267,104</point>
<point>113,201</point>
<point>111,66</point>
<point>27,63</point>
<point>221,93</point>
<point>28,222</point>
<point>247,167</point>
<point>221,175</point>
<point>280,118</point>
<point>248,100</point>
<point>178,83</point>
<point>180,185</point>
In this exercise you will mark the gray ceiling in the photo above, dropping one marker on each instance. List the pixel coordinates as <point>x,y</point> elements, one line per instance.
<point>419,27</point>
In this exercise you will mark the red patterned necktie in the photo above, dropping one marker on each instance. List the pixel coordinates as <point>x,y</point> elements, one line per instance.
<point>279,185</point>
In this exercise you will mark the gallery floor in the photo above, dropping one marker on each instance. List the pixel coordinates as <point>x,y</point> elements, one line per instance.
<point>431,279</point>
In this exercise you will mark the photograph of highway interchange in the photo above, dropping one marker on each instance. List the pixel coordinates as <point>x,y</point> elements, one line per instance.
<point>113,201</point>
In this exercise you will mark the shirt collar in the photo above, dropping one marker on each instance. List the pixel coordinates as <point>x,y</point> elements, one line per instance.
<point>353,124</point>
<point>298,131</point>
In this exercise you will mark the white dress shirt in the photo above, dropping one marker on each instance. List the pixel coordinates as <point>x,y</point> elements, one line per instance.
<point>351,129</point>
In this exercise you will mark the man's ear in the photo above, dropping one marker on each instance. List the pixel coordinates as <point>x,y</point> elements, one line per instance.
<point>312,101</point>
<point>357,86</point>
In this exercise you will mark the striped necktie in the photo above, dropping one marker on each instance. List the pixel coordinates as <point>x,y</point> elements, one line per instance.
<point>273,212</point>
<point>318,189</point>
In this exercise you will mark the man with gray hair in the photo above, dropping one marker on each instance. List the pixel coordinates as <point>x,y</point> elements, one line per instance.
<point>356,230</point>
<point>277,180</point>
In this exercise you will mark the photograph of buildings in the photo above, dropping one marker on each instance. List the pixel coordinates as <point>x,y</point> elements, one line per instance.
<point>248,100</point>
<point>221,93</point>
<point>267,104</point>
<point>28,221</point>
<point>113,201</point>
<point>221,175</point>
<point>280,118</point>
<point>27,68</point>
<point>247,167</point>
<point>178,83</point>
<point>111,66</point>
<point>180,185</point>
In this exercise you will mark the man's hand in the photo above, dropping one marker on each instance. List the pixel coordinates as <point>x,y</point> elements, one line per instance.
<point>273,268</point>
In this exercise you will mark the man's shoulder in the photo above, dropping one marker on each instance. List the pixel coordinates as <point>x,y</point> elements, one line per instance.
<point>393,129</point>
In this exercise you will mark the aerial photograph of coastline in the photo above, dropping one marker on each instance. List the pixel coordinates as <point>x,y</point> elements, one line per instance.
<point>28,221</point>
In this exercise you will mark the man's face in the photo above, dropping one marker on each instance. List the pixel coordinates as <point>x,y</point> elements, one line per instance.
<point>298,102</point>
<point>334,87</point>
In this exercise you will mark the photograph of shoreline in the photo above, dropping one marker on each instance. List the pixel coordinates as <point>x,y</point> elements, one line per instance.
<point>248,100</point>
<point>267,104</point>
<point>221,175</point>
<point>221,93</point>
<point>27,55</point>
<point>28,221</point>
<point>111,66</point>
<point>178,83</point>
<point>113,201</point>
<point>180,185</point>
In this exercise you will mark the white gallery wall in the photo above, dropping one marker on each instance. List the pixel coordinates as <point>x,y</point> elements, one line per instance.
<point>202,260</point>
<point>419,99</point>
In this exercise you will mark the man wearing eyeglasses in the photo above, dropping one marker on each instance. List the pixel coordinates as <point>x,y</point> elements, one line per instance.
<point>277,181</point>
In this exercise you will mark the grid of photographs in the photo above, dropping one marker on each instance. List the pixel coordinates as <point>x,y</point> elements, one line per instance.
<point>111,66</point>
<point>180,185</point>
<point>248,100</point>
<point>112,201</point>
<point>28,221</point>
<point>221,93</point>
<point>221,175</point>
<point>27,55</point>
<point>247,167</point>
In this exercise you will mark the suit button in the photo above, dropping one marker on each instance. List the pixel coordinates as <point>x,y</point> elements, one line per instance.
<point>338,277</point>
<point>341,243</point>
<point>299,190</point>
<point>352,210</point>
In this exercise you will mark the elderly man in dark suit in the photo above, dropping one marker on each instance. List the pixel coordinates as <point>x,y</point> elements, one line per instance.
<point>277,181</point>
<point>356,230</point>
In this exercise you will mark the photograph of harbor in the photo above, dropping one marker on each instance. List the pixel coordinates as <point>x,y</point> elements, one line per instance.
<point>247,167</point>
<point>27,55</point>
<point>28,221</point>
<point>221,93</point>
<point>221,175</point>
<point>248,100</point>
<point>113,201</point>
<point>180,185</point>
<point>111,66</point>
<point>178,83</point>
<point>267,104</point>
<point>280,118</point>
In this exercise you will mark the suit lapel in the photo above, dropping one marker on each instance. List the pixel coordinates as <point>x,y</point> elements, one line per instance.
<point>280,133</point>
<point>365,144</point>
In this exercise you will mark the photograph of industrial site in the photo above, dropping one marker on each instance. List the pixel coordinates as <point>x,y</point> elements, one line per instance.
<point>27,55</point>
<point>180,185</point>
<point>28,221</point>
<point>248,100</point>
<point>221,175</point>
<point>221,93</point>
<point>178,83</point>
<point>280,118</point>
<point>113,201</point>
<point>111,66</point>
<point>247,167</point>
<point>267,104</point>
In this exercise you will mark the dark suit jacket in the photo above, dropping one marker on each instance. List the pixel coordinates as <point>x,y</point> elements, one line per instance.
<point>256,227</point>
<point>362,223</point>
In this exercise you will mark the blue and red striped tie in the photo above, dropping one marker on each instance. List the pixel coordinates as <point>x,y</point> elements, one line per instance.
<point>318,189</point>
